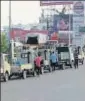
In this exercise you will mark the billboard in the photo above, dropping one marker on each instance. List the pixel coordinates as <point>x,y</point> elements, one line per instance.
<point>62,22</point>
<point>78,16</point>
<point>21,35</point>
<point>82,29</point>
<point>18,34</point>
<point>55,2</point>
<point>63,37</point>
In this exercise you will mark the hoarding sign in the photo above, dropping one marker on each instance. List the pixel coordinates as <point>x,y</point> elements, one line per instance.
<point>77,22</point>
<point>60,23</point>
<point>64,38</point>
<point>63,22</point>
<point>66,41</point>
<point>55,2</point>
<point>78,16</point>
<point>82,29</point>
<point>21,35</point>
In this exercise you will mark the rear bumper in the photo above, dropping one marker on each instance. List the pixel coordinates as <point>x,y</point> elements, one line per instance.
<point>66,63</point>
<point>17,73</point>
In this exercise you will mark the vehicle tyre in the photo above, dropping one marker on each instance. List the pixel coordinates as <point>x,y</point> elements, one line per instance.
<point>59,66</point>
<point>83,59</point>
<point>72,65</point>
<point>24,75</point>
<point>6,77</point>
<point>34,73</point>
<point>50,69</point>
<point>9,77</point>
<point>63,67</point>
<point>42,70</point>
<point>82,62</point>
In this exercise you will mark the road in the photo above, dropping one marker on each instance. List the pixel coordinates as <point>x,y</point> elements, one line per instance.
<point>61,85</point>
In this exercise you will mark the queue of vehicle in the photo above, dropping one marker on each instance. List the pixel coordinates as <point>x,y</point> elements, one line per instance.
<point>24,65</point>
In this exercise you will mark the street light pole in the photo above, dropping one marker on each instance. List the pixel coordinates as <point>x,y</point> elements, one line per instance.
<point>9,19</point>
<point>69,27</point>
<point>10,42</point>
<point>47,23</point>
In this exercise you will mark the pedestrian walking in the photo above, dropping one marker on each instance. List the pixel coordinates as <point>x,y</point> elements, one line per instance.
<point>76,59</point>
<point>38,61</point>
<point>53,59</point>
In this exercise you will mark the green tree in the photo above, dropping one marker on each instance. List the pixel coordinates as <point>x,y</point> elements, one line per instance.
<point>4,43</point>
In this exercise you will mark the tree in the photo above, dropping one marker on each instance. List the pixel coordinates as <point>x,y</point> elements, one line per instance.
<point>63,11</point>
<point>4,43</point>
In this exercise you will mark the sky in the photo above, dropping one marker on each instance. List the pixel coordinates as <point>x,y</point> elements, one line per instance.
<point>23,12</point>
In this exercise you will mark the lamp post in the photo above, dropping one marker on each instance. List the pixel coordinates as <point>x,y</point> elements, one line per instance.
<point>69,26</point>
<point>10,42</point>
<point>9,19</point>
<point>47,23</point>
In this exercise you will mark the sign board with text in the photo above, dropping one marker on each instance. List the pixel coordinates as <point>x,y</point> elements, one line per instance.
<point>54,2</point>
<point>78,16</point>
<point>78,7</point>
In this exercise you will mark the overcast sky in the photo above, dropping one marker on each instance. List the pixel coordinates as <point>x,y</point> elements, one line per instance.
<point>23,12</point>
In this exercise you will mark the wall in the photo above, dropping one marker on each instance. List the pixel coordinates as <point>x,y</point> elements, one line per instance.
<point>22,34</point>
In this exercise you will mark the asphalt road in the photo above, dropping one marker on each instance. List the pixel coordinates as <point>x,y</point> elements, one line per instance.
<point>61,85</point>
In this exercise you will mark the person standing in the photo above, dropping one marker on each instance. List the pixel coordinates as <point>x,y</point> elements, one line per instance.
<point>53,59</point>
<point>76,59</point>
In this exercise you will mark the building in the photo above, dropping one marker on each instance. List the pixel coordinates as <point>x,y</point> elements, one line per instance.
<point>23,35</point>
<point>36,36</point>
<point>78,22</point>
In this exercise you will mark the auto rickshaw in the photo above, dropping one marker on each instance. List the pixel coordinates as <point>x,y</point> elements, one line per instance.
<point>45,53</point>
